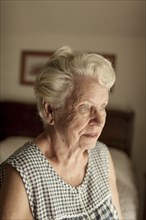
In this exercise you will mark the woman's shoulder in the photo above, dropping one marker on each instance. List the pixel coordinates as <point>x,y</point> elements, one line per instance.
<point>100,156</point>
<point>25,160</point>
<point>27,152</point>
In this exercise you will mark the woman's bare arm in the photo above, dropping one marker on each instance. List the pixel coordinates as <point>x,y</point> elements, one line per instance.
<point>113,187</point>
<point>13,199</point>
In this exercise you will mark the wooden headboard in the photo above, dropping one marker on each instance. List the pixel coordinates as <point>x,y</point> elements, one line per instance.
<point>22,119</point>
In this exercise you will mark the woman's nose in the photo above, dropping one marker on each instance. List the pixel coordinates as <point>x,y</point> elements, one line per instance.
<point>97,118</point>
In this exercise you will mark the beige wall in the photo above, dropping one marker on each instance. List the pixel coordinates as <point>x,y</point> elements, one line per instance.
<point>129,91</point>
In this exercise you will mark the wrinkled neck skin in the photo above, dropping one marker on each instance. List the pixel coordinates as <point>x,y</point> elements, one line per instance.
<point>59,150</point>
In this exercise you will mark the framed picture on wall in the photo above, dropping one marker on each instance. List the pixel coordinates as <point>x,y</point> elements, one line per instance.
<point>31,64</point>
<point>33,61</point>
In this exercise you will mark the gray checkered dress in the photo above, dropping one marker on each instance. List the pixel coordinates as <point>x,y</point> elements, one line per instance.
<point>51,198</point>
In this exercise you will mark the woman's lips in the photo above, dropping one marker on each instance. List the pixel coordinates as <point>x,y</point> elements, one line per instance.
<point>91,135</point>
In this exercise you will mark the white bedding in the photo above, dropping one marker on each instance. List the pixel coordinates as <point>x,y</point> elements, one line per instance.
<point>10,144</point>
<point>123,168</point>
<point>128,195</point>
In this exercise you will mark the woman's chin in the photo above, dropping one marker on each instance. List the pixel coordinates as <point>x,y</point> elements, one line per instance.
<point>88,144</point>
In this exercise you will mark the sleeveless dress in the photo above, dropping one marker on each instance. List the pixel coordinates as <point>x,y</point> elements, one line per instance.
<point>51,198</point>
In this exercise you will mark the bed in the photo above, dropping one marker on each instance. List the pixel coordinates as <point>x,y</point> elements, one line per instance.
<point>19,122</point>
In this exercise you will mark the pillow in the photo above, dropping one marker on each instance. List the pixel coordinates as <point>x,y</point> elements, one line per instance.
<point>11,144</point>
<point>123,166</point>
<point>126,184</point>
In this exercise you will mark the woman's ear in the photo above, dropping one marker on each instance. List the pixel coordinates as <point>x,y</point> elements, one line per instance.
<point>48,113</point>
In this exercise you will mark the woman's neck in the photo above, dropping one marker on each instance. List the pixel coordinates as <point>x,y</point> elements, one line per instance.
<point>69,163</point>
<point>62,152</point>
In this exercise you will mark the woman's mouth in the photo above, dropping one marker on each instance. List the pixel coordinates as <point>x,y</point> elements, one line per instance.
<point>91,135</point>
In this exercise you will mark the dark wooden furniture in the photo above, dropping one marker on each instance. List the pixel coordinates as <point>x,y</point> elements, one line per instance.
<point>22,119</point>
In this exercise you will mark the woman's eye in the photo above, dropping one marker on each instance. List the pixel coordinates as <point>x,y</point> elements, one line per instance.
<point>84,108</point>
<point>103,107</point>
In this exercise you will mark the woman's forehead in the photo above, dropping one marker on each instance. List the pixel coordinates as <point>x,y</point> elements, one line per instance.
<point>89,90</point>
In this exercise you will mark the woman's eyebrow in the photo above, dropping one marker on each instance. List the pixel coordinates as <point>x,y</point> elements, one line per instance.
<point>106,101</point>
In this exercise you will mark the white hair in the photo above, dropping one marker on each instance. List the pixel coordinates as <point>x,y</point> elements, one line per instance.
<point>57,79</point>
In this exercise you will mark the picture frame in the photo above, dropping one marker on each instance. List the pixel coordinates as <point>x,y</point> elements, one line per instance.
<point>33,61</point>
<point>31,64</point>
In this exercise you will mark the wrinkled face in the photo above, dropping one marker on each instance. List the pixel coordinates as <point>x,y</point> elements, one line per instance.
<point>83,116</point>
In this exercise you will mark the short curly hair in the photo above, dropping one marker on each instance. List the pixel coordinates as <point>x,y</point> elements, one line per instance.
<point>57,79</point>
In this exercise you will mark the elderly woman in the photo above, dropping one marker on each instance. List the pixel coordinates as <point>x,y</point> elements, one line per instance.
<point>65,173</point>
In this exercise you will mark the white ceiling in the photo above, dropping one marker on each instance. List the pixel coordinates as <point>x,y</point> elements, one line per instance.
<point>106,17</point>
